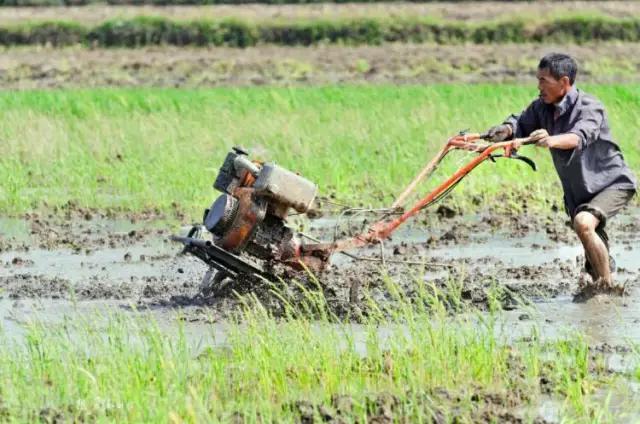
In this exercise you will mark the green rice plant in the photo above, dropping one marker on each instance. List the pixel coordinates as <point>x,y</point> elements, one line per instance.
<point>146,149</point>
<point>417,363</point>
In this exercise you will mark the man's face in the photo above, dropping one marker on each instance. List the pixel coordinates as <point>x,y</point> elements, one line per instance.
<point>551,90</point>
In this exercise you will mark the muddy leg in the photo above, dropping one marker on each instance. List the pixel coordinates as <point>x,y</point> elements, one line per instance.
<point>588,268</point>
<point>585,225</point>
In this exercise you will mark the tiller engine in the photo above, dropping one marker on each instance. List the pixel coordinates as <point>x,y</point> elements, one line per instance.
<point>248,221</point>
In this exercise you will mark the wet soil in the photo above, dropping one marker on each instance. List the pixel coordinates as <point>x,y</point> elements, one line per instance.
<point>512,260</point>
<point>35,67</point>
<point>83,264</point>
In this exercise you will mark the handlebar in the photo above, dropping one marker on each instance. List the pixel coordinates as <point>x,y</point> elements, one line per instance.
<point>523,141</point>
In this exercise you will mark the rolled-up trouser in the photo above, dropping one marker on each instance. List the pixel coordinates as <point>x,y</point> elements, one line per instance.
<point>603,206</point>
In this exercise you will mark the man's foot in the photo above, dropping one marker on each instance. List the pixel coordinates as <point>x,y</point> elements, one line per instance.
<point>584,293</point>
<point>587,291</point>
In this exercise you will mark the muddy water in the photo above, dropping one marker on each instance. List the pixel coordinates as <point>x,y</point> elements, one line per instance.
<point>83,266</point>
<point>19,315</point>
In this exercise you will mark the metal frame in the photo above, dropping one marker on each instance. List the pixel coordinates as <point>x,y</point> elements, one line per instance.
<point>383,229</point>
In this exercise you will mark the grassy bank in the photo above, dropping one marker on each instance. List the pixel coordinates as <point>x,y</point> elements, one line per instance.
<point>147,30</point>
<point>144,149</point>
<point>432,367</point>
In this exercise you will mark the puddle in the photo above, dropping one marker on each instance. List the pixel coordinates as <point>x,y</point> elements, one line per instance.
<point>17,315</point>
<point>119,264</point>
<point>603,319</point>
<point>154,257</point>
<point>533,249</point>
<point>13,228</point>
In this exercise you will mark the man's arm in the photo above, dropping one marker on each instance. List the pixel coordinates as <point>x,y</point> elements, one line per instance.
<point>566,141</point>
<point>584,131</point>
<point>588,123</point>
<point>525,123</point>
<point>515,125</point>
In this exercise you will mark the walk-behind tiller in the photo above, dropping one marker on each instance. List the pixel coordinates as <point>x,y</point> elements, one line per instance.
<point>248,221</point>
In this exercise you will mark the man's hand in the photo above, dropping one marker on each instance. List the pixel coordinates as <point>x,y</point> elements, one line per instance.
<point>541,137</point>
<point>499,133</point>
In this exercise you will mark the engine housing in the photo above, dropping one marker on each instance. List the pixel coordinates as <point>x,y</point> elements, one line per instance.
<point>250,214</point>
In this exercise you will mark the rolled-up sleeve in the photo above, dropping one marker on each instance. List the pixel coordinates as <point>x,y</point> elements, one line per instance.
<point>588,123</point>
<point>524,123</point>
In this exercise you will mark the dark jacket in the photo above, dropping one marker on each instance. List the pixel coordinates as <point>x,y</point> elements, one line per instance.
<point>596,164</point>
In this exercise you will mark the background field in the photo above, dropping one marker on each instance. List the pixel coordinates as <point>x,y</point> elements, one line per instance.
<point>144,149</point>
<point>453,11</point>
<point>350,24</point>
<point>73,67</point>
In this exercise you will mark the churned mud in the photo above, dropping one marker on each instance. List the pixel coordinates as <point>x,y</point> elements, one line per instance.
<point>512,261</point>
<point>41,67</point>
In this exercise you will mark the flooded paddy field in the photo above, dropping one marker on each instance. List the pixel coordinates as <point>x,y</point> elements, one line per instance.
<point>518,273</point>
<point>125,263</point>
<point>465,315</point>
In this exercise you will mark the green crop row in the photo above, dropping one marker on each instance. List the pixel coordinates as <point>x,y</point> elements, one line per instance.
<point>144,31</point>
<point>111,367</point>
<point>141,149</point>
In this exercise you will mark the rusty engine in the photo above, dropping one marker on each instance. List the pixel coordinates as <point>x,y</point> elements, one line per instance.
<point>250,214</point>
<point>249,217</point>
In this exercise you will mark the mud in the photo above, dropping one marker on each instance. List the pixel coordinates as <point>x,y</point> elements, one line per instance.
<point>440,404</point>
<point>78,67</point>
<point>515,261</point>
<point>528,266</point>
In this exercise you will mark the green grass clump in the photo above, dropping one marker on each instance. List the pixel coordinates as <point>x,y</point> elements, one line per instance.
<point>146,30</point>
<point>141,149</point>
<point>118,368</point>
<point>54,33</point>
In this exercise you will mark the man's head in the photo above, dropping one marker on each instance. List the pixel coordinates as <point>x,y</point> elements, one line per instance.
<point>556,75</point>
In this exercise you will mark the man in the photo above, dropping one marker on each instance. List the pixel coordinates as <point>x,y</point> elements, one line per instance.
<point>595,179</point>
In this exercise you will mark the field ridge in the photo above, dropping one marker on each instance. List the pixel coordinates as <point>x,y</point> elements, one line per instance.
<point>149,30</point>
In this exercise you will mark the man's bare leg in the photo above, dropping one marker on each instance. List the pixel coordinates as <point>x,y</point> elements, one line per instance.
<point>585,225</point>
<point>590,271</point>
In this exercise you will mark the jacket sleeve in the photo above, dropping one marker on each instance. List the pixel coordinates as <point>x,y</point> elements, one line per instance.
<point>524,123</point>
<point>588,122</point>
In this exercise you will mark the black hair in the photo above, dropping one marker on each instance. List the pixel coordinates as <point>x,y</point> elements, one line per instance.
<point>560,65</point>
